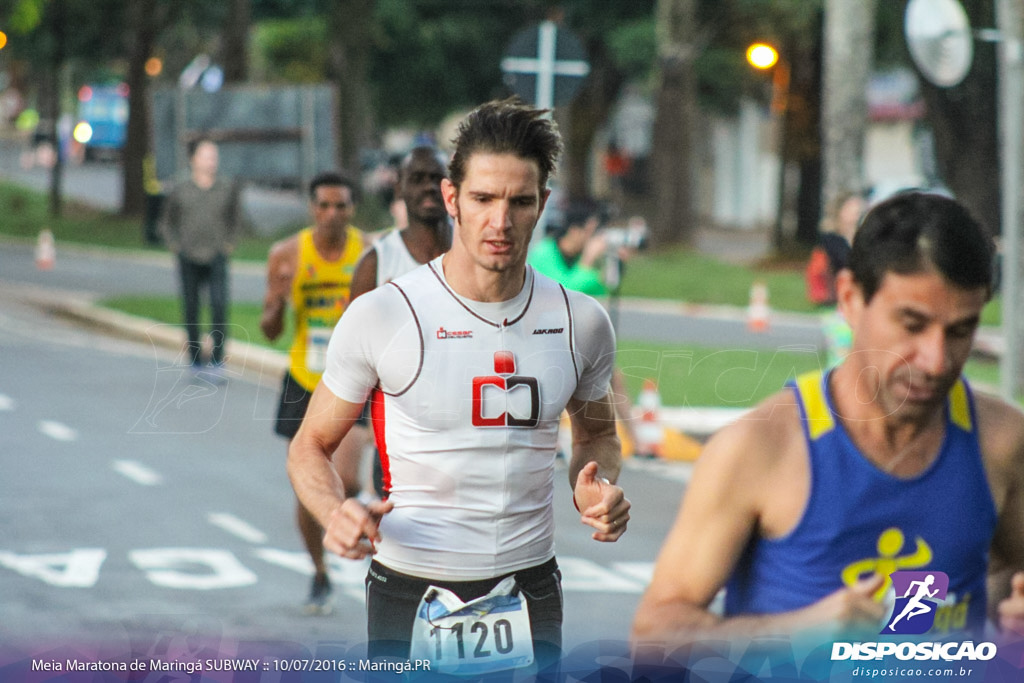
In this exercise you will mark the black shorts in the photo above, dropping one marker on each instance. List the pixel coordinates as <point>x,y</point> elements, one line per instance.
<point>291,408</point>
<point>392,599</point>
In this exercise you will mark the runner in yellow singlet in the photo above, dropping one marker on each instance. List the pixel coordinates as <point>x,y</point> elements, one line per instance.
<point>311,272</point>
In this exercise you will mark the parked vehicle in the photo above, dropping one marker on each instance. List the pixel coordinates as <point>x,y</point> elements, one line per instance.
<point>102,121</point>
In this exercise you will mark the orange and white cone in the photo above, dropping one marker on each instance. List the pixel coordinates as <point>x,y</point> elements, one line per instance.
<point>46,250</point>
<point>758,310</point>
<point>649,433</point>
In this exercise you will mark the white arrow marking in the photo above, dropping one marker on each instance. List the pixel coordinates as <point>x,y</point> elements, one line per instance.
<point>137,472</point>
<point>6,402</point>
<point>78,568</point>
<point>192,568</point>
<point>234,525</point>
<point>56,430</point>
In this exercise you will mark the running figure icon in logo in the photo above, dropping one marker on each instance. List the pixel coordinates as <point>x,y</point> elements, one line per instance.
<point>920,593</point>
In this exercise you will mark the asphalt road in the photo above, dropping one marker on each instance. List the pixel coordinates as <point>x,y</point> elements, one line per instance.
<point>144,513</point>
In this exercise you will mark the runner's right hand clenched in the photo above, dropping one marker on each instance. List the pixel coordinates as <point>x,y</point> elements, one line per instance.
<point>353,528</point>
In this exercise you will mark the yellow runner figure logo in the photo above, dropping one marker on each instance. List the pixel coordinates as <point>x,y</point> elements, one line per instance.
<point>889,560</point>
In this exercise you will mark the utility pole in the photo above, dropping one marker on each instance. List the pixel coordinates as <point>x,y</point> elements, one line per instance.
<point>1011,104</point>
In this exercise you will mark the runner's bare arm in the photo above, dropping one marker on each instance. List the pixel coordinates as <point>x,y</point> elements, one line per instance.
<point>350,528</point>
<point>281,262</point>
<point>365,276</point>
<point>723,508</point>
<point>594,467</point>
<point>1002,431</point>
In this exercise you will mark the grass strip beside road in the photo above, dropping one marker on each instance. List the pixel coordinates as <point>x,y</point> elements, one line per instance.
<point>689,376</point>
<point>686,376</point>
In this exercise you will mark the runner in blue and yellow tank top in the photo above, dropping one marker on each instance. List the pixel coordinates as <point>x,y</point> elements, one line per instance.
<point>311,272</point>
<point>876,481</point>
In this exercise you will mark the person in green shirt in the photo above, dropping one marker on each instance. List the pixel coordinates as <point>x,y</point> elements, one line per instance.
<point>572,249</point>
<point>571,253</point>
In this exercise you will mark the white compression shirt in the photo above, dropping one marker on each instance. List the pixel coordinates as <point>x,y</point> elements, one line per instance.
<point>473,393</point>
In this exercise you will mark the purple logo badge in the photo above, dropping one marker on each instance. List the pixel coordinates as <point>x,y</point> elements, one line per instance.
<point>917,596</point>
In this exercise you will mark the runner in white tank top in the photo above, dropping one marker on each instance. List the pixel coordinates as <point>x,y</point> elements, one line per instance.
<point>393,257</point>
<point>427,235</point>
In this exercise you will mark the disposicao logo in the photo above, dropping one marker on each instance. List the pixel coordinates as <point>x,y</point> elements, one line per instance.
<point>917,596</point>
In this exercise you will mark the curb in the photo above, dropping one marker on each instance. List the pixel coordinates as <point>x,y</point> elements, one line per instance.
<point>257,363</point>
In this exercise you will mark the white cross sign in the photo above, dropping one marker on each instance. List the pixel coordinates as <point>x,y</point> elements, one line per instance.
<point>545,66</point>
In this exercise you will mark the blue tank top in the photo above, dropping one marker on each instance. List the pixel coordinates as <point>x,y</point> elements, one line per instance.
<point>860,520</point>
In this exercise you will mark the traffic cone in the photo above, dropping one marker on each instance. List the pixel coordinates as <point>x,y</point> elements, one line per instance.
<point>649,433</point>
<point>46,250</point>
<point>758,311</point>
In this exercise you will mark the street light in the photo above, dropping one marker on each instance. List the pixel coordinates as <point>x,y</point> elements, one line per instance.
<point>764,57</point>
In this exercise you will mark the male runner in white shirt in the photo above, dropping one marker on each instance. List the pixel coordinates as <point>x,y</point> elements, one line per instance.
<point>476,356</point>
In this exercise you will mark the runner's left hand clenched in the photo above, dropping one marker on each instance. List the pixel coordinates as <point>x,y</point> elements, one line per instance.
<point>602,505</point>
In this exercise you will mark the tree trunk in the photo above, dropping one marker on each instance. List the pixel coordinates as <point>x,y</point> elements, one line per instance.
<point>672,152</point>
<point>350,26</point>
<point>236,42</point>
<point>848,58</point>
<point>587,113</point>
<point>803,118</point>
<point>143,23</point>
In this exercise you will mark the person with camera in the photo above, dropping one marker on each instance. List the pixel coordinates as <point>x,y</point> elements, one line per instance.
<point>572,250</point>
<point>570,254</point>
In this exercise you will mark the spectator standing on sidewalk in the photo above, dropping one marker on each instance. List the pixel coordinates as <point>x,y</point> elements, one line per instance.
<point>201,221</point>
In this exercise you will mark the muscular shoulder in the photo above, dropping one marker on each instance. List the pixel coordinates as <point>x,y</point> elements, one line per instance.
<point>761,459</point>
<point>1001,433</point>
<point>380,311</point>
<point>763,437</point>
<point>286,249</point>
<point>587,312</point>
<point>593,330</point>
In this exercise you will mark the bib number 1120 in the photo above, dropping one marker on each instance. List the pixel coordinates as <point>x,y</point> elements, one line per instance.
<point>482,637</point>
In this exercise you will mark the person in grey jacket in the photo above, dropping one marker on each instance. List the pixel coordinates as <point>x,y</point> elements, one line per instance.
<point>201,221</point>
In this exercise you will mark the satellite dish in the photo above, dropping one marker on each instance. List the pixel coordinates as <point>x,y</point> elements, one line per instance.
<point>940,40</point>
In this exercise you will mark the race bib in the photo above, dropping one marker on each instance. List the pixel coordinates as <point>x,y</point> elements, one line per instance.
<point>490,633</point>
<point>317,339</point>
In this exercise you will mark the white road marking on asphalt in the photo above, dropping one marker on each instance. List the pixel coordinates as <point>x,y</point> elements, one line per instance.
<point>580,574</point>
<point>214,568</point>
<point>137,472</point>
<point>56,430</point>
<point>237,527</point>
<point>348,576</point>
<point>77,568</point>
<point>6,402</point>
<point>177,568</point>
<point>641,571</point>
